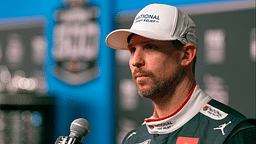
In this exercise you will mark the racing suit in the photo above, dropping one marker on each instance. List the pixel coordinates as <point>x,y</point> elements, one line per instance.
<point>199,120</point>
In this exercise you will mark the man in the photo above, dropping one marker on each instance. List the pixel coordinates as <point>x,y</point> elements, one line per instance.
<point>163,47</point>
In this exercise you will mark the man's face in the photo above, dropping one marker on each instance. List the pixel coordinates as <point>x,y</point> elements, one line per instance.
<point>155,66</point>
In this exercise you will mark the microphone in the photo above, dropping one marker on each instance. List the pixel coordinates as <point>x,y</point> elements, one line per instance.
<point>79,128</point>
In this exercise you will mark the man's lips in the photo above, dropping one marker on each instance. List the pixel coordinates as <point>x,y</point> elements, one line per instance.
<point>139,77</point>
<point>136,76</point>
<point>138,73</point>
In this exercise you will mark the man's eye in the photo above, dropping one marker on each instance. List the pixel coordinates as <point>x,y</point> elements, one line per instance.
<point>151,46</point>
<point>132,50</point>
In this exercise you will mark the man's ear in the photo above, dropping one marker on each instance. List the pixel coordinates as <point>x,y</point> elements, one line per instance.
<point>189,53</point>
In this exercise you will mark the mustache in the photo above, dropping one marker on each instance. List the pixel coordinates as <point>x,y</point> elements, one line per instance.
<point>141,71</point>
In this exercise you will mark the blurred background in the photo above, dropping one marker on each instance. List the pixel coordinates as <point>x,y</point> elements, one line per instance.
<point>55,66</point>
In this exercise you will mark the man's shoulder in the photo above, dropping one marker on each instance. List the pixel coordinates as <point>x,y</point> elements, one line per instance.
<point>244,132</point>
<point>221,110</point>
<point>236,127</point>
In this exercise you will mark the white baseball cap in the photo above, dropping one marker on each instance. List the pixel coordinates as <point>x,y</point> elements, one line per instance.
<point>158,22</point>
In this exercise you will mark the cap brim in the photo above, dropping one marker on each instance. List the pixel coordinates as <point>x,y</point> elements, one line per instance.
<point>118,38</point>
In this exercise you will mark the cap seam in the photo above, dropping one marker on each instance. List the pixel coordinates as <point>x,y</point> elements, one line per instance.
<point>175,22</point>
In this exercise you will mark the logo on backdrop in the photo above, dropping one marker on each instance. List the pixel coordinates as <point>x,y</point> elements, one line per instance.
<point>76,43</point>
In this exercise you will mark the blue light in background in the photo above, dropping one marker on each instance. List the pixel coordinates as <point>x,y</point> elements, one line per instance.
<point>36,119</point>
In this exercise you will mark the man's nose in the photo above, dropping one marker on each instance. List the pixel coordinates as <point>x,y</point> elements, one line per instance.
<point>137,60</point>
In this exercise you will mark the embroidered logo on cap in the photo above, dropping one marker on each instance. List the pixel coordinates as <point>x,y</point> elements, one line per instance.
<point>147,18</point>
